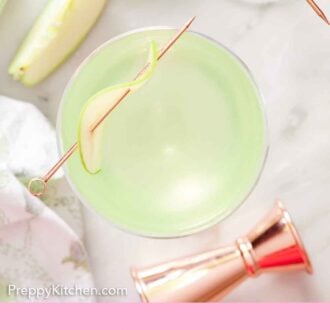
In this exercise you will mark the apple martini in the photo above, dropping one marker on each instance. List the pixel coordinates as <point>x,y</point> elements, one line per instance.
<point>180,153</point>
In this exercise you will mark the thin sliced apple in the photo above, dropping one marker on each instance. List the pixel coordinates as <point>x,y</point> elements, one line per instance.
<point>89,140</point>
<point>58,31</point>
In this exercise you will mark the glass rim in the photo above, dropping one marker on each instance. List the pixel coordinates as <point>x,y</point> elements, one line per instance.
<point>212,221</point>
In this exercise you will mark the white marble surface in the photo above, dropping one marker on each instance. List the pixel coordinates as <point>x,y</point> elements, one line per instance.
<point>288,50</point>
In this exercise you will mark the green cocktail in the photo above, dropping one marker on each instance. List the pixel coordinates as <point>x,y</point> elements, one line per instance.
<point>183,151</point>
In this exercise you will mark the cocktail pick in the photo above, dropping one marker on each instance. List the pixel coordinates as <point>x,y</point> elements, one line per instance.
<point>37,186</point>
<point>318,11</point>
<point>273,245</point>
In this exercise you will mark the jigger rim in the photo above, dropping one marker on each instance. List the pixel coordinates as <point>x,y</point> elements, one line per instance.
<point>297,237</point>
<point>139,285</point>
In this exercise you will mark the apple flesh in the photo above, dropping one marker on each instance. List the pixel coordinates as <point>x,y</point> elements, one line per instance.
<point>55,35</point>
<point>89,140</point>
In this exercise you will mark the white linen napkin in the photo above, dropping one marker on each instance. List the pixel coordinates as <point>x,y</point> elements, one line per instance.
<point>38,248</point>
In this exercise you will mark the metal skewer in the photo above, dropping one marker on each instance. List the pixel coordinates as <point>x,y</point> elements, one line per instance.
<point>37,186</point>
<point>318,11</point>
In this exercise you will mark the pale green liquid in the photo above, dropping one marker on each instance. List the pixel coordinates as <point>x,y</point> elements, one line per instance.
<point>180,153</point>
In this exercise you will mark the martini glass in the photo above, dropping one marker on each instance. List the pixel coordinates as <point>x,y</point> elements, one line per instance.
<point>181,153</point>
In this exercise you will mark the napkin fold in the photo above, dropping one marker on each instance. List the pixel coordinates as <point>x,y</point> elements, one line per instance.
<point>40,241</point>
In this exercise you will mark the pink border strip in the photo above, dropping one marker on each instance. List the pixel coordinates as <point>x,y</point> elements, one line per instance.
<point>170,316</point>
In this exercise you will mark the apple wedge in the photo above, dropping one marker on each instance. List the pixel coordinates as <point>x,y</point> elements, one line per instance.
<point>89,139</point>
<point>55,35</point>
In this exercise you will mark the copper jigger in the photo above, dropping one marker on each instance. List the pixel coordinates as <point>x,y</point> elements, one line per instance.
<point>273,245</point>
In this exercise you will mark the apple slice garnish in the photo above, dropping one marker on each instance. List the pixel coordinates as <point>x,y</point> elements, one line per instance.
<point>58,31</point>
<point>89,137</point>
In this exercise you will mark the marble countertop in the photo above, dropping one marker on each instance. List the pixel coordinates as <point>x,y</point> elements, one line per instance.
<point>287,48</point>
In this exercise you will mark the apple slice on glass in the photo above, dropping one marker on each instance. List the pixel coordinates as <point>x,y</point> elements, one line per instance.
<point>90,136</point>
<point>58,31</point>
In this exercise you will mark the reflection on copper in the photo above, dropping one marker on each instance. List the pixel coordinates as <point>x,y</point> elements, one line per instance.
<point>318,11</point>
<point>44,180</point>
<point>273,245</point>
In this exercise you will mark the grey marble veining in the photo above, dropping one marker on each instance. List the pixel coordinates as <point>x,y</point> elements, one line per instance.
<point>287,48</point>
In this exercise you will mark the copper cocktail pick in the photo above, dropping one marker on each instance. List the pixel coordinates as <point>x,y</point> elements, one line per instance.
<point>37,186</point>
<point>318,11</point>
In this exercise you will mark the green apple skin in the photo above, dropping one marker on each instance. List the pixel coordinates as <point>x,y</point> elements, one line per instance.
<point>56,34</point>
<point>90,143</point>
<point>2,5</point>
